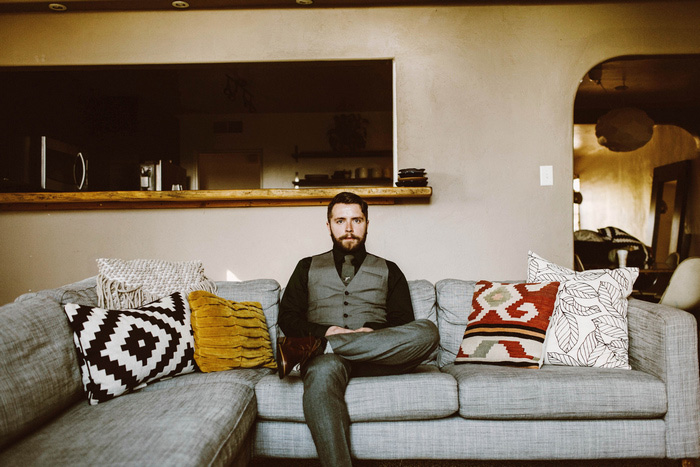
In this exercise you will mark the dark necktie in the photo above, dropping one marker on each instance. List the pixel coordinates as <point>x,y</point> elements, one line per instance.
<point>348,270</point>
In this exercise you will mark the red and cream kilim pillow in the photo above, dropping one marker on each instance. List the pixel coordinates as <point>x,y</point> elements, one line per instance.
<point>508,323</point>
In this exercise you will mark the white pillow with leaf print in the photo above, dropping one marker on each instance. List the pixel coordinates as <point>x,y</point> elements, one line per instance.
<point>589,323</point>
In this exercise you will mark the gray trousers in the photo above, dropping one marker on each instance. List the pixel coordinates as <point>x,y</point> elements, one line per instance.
<point>387,351</point>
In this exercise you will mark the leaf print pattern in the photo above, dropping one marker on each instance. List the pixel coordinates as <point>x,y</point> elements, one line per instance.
<point>619,345</point>
<point>566,331</point>
<point>590,350</point>
<point>612,299</point>
<point>589,324</point>
<point>621,278</point>
<point>588,275</point>
<point>562,359</point>
<point>611,326</point>
<point>532,270</point>
<point>545,275</point>
<point>580,290</point>
<point>572,306</point>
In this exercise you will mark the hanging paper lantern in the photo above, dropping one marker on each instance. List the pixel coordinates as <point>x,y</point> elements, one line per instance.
<point>624,129</point>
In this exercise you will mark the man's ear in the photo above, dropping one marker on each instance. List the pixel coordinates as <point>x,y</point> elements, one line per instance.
<point>328,224</point>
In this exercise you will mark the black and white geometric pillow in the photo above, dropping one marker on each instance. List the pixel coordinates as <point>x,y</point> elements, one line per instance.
<point>123,350</point>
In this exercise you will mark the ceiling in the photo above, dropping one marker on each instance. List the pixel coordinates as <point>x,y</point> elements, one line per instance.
<point>667,88</point>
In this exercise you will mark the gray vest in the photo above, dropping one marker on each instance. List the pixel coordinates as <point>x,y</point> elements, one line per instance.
<point>363,300</point>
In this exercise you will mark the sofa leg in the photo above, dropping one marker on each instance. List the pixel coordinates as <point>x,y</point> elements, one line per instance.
<point>689,462</point>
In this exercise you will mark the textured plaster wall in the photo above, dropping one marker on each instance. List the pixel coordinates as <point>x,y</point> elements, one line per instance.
<point>484,96</point>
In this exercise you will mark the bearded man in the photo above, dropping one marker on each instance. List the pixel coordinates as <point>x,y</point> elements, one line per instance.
<point>346,313</point>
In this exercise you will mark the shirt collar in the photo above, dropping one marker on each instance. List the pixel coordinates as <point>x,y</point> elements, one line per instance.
<point>359,254</point>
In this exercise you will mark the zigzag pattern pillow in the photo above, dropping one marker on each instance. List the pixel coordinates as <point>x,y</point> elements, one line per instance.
<point>508,324</point>
<point>123,350</point>
<point>589,324</point>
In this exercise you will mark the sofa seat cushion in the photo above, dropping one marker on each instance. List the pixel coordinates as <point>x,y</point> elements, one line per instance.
<point>245,376</point>
<point>492,392</point>
<point>421,395</point>
<point>195,419</point>
<point>479,443</point>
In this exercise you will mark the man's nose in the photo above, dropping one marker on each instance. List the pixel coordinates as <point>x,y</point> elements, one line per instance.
<point>348,227</point>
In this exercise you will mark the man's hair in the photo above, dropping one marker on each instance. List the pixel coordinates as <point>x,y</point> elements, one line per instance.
<point>347,198</point>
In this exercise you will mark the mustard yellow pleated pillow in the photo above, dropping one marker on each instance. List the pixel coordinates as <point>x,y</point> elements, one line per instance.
<point>229,334</point>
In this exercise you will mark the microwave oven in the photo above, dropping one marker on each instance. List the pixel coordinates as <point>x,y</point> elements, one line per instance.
<point>36,163</point>
<point>63,166</point>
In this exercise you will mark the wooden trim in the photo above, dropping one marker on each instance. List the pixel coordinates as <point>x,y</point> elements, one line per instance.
<point>97,200</point>
<point>33,6</point>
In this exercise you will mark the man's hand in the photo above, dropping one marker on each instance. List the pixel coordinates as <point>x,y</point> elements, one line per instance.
<point>338,330</point>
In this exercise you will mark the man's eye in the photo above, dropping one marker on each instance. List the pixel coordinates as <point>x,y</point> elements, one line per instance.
<point>358,221</point>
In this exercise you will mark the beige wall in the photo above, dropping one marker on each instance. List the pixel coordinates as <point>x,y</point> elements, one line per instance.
<point>484,97</point>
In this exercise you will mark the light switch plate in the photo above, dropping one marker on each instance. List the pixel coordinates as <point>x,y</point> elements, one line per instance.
<point>546,175</point>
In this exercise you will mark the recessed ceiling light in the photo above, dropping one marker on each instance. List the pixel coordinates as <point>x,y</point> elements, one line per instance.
<point>57,7</point>
<point>180,4</point>
<point>305,2</point>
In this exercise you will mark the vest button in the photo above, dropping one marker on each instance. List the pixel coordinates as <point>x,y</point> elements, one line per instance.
<point>345,303</point>
<point>346,327</point>
<point>345,315</point>
<point>347,293</point>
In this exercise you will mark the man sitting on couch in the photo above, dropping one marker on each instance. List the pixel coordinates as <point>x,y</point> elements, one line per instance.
<point>346,313</point>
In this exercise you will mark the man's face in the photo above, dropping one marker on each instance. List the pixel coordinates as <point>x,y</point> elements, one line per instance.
<point>348,226</point>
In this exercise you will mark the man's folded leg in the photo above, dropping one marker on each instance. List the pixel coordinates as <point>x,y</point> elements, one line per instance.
<point>406,345</point>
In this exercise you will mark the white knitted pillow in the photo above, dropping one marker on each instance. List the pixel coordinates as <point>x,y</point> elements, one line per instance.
<point>128,284</point>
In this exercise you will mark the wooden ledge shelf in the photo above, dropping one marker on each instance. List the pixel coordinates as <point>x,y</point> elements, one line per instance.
<point>97,200</point>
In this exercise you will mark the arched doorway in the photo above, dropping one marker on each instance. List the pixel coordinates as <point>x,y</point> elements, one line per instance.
<point>615,184</point>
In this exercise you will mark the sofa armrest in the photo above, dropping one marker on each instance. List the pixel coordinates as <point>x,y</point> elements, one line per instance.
<point>663,341</point>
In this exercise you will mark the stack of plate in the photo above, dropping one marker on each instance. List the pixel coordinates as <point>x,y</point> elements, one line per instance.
<point>412,177</point>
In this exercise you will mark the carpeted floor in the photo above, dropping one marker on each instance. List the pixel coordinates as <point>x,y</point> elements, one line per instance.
<point>263,462</point>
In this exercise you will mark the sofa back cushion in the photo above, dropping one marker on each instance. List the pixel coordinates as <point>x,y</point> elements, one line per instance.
<point>267,292</point>
<point>424,305</point>
<point>423,300</point>
<point>82,292</point>
<point>454,303</point>
<point>39,375</point>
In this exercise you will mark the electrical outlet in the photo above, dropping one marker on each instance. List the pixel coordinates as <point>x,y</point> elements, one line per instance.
<point>546,175</point>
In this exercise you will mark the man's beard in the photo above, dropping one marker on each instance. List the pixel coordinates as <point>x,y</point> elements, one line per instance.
<point>338,242</point>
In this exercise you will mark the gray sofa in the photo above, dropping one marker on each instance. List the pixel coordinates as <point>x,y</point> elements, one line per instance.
<point>440,411</point>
